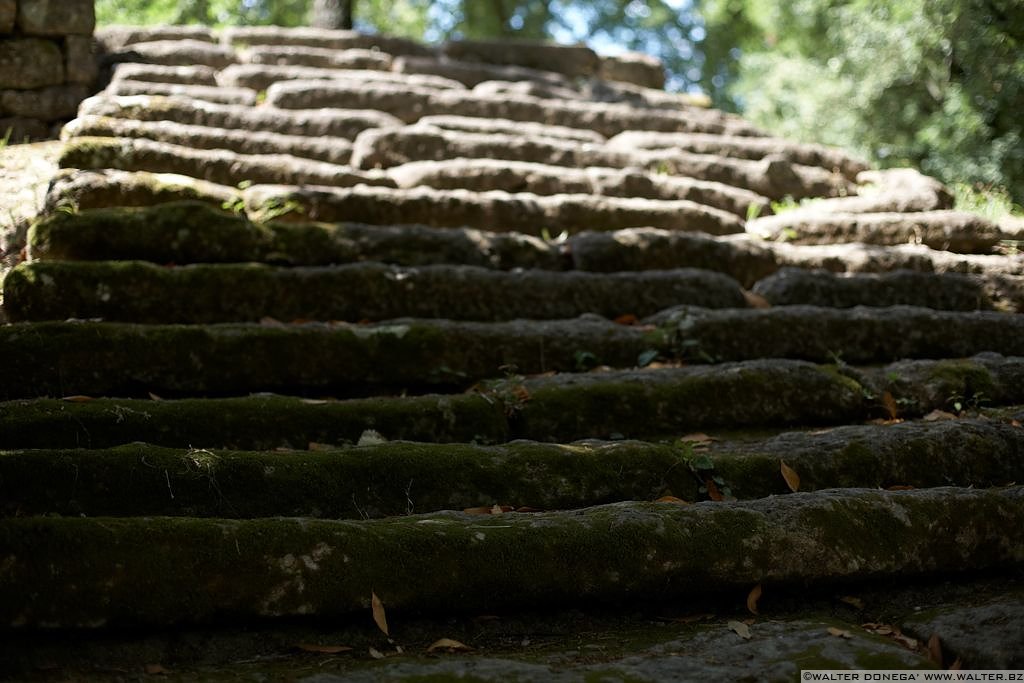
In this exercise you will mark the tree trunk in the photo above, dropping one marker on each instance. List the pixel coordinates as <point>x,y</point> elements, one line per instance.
<point>332,14</point>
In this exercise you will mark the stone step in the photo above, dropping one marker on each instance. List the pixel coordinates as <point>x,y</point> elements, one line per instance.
<point>472,74</point>
<point>197,232</point>
<point>400,478</point>
<point>340,123</point>
<point>606,119</point>
<point>138,291</point>
<point>155,73</point>
<point>220,166</point>
<point>644,404</point>
<point>944,291</point>
<point>74,190</point>
<point>895,190</point>
<point>331,150</point>
<point>743,147</point>
<point>262,76</point>
<point>772,178</point>
<point>116,38</point>
<point>276,36</point>
<point>855,335</point>
<point>175,52</point>
<point>470,124</point>
<point>572,61</point>
<point>294,567</point>
<point>523,212</point>
<point>297,55</point>
<point>946,230</point>
<point>207,93</point>
<point>482,175</point>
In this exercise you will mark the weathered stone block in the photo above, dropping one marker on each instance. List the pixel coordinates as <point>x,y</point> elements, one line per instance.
<point>633,67</point>
<point>47,104</point>
<point>30,63</point>
<point>81,65</point>
<point>8,13</point>
<point>18,129</point>
<point>57,17</point>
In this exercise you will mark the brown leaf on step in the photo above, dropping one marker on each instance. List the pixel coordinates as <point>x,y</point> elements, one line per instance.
<point>937,415</point>
<point>267,321</point>
<point>322,649</point>
<point>154,397</point>
<point>905,641</point>
<point>672,499</point>
<point>955,666</point>
<point>839,633</point>
<point>889,403</point>
<point>375,653</point>
<point>314,446</point>
<point>878,629</point>
<point>76,398</point>
<point>900,487</point>
<point>697,437</point>
<point>790,475</point>
<point>627,319</point>
<point>313,401</point>
<point>713,492</point>
<point>448,645</point>
<point>156,670</point>
<point>527,508</point>
<point>483,510</point>
<point>752,597</point>
<point>1015,423</point>
<point>756,300</point>
<point>501,509</point>
<point>935,649</point>
<point>852,601</point>
<point>740,629</point>
<point>378,613</point>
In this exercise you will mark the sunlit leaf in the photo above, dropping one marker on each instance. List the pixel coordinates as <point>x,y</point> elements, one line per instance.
<point>448,645</point>
<point>378,613</point>
<point>740,629</point>
<point>752,597</point>
<point>790,475</point>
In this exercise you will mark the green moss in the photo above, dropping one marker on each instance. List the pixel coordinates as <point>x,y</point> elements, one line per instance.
<point>964,380</point>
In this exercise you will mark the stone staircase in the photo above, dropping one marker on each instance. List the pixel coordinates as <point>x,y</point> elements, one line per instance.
<point>503,343</point>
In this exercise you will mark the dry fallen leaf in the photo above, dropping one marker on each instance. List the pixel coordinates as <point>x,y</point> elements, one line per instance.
<point>448,645</point>
<point>313,401</point>
<point>790,475</point>
<point>375,653</point>
<point>955,666</point>
<point>314,446</point>
<point>905,641</point>
<point>527,508</point>
<point>889,403</point>
<point>323,649</point>
<point>755,300</point>
<point>697,438</point>
<point>852,601</point>
<point>76,398</point>
<point>935,649</point>
<point>154,397</point>
<point>740,629</point>
<point>627,319</point>
<point>713,492</point>
<point>267,321</point>
<point>753,597</point>
<point>378,613</point>
<point>483,510</point>
<point>1015,423</point>
<point>156,670</point>
<point>839,633</point>
<point>672,499</point>
<point>497,509</point>
<point>937,415</point>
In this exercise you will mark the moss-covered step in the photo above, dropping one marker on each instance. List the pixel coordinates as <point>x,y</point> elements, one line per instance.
<point>398,478</point>
<point>342,123</point>
<point>183,570</point>
<point>204,93</point>
<point>944,291</point>
<point>854,335</point>
<point>330,150</point>
<point>219,166</point>
<point>74,190</point>
<point>138,291</point>
<point>262,76</point>
<point>115,359</point>
<point>612,404</point>
<point>947,230</point>
<point>198,232</point>
<point>492,210</point>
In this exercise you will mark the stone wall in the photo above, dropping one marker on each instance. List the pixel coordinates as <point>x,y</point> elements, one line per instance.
<point>47,65</point>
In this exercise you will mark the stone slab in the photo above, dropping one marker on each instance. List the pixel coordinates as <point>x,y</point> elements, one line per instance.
<point>157,73</point>
<point>176,52</point>
<point>56,17</point>
<point>80,61</point>
<point>208,93</point>
<point>27,63</point>
<point>52,103</point>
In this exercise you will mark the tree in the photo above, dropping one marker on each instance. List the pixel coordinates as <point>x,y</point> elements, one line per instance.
<point>332,14</point>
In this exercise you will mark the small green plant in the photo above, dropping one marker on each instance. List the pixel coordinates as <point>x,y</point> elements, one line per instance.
<point>68,204</point>
<point>585,360</point>
<point>753,211</point>
<point>6,139</point>
<point>702,466</point>
<point>961,402</point>
<point>275,207</point>
<point>509,391</point>
<point>986,201</point>
<point>235,206</point>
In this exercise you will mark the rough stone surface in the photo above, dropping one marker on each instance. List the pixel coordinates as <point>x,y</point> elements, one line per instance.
<point>320,38</point>
<point>470,124</point>
<point>147,293</point>
<point>472,74</point>
<point>56,17</point>
<point>77,190</point>
<point>178,52</point>
<point>946,230</point>
<point>116,38</point>
<point>633,67</point>
<point>27,63</point>
<point>219,166</point>
<point>156,73</point>
<point>331,150</point>
<point>46,104</point>
<point>353,58</point>
<point>208,93</point>
<point>262,76</point>
<point>344,124</point>
<point>985,636</point>
<point>8,15</point>
<point>572,61</point>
